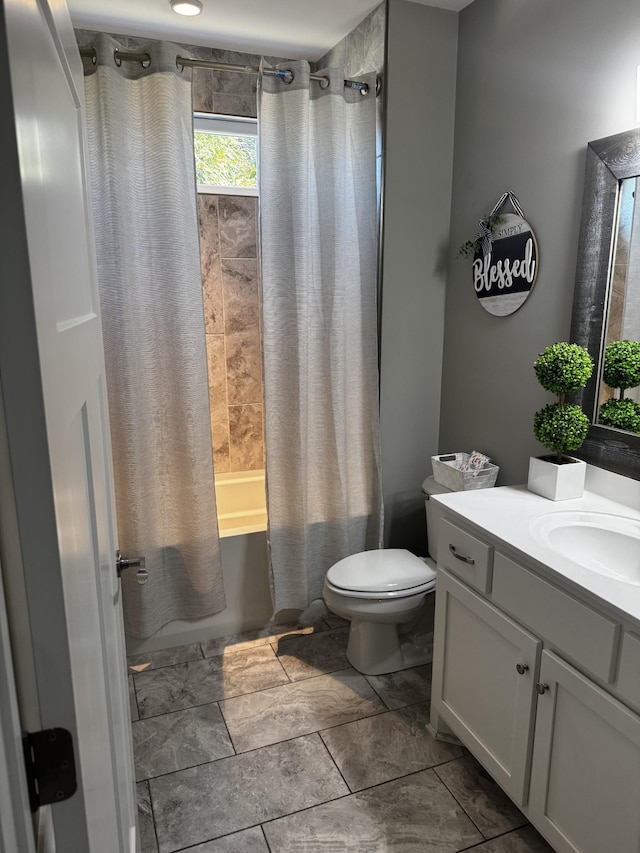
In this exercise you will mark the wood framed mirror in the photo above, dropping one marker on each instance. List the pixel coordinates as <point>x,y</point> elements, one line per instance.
<point>613,165</point>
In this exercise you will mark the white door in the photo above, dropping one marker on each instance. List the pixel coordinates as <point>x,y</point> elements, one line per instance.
<point>484,670</point>
<point>53,393</point>
<point>585,776</point>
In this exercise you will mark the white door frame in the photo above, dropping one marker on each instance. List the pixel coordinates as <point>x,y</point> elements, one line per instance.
<point>52,550</point>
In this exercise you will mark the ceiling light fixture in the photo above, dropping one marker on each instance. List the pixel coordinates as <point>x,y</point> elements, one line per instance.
<point>186,7</point>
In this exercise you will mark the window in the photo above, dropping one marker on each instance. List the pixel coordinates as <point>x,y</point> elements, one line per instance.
<point>226,154</point>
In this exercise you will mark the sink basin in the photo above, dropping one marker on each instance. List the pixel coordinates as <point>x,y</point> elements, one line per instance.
<point>602,543</point>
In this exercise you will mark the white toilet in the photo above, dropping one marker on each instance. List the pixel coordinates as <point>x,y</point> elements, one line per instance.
<point>386,594</point>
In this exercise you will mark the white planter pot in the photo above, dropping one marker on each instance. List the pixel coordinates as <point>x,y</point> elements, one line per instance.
<point>557,482</point>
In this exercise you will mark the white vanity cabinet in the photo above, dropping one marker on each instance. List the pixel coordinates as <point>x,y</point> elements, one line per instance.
<point>524,674</point>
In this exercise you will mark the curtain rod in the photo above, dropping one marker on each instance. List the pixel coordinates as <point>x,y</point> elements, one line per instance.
<point>284,74</point>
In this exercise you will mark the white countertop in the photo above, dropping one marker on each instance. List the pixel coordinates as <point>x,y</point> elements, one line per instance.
<point>507,513</point>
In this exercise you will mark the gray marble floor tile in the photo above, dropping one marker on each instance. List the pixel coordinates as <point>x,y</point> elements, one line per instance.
<point>482,799</point>
<point>208,680</point>
<point>248,841</point>
<point>179,740</point>
<point>133,704</point>
<point>298,709</point>
<point>387,746</point>
<point>304,657</point>
<point>212,800</point>
<point>164,657</point>
<point>403,688</point>
<point>259,637</point>
<point>146,828</point>
<point>415,814</point>
<point>525,840</point>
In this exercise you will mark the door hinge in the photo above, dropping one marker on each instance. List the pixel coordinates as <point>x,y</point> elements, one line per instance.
<point>51,766</point>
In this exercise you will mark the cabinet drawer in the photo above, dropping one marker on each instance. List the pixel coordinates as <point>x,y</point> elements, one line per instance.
<point>573,628</point>
<point>629,670</point>
<point>465,556</point>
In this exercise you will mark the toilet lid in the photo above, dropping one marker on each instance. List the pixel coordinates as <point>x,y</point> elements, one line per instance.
<point>386,570</point>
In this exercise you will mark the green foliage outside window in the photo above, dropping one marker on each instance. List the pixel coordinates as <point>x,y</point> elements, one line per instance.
<point>226,161</point>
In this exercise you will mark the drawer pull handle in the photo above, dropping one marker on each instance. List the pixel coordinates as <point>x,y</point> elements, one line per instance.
<point>542,688</point>
<point>468,560</point>
<point>522,668</point>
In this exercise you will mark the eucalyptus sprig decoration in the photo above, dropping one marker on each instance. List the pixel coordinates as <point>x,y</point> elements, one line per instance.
<point>562,368</point>
<point>481,243</point>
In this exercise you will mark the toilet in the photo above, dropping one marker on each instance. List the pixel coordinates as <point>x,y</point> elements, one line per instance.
<point>387,596</point>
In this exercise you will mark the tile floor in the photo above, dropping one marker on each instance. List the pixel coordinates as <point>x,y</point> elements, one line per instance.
<point>268,742</point>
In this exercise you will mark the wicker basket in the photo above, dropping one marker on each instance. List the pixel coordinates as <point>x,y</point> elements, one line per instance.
<point>447,475</point>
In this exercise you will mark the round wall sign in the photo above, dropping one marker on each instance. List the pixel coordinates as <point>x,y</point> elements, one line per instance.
<point>504,278</point>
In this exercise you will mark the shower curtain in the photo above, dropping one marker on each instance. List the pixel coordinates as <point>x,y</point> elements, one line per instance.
<point>142,177</point>
<point>319,261</point>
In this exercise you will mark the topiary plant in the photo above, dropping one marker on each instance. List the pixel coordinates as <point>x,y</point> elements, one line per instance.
<point>561,369</point>
<point>621,414</point>
<point>622,365</point>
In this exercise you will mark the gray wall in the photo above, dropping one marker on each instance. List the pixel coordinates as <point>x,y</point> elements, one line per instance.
<point>537,80</point>
<point>421,68</point>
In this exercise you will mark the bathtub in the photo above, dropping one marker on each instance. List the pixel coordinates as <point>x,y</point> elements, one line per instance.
<point>241,501</point>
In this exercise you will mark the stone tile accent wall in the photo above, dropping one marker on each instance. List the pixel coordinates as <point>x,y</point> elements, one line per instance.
<point>362,49</point>
<point>230,281</point>
<point>220,92</point>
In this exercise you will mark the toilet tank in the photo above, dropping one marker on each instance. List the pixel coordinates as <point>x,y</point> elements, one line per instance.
<point>429,488</point>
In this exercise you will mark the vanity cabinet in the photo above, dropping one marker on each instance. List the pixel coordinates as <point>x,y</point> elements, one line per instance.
<point>523,675</point>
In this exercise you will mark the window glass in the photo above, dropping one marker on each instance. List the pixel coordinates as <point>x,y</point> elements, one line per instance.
<point>226,153</point>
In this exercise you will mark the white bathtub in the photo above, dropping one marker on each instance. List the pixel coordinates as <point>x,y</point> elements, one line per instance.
<point>241,501</point>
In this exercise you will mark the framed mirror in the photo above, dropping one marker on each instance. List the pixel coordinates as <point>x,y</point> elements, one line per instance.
<point>606,304</point>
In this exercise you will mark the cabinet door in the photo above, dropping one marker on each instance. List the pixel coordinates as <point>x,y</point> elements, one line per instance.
<point>477,688</point>
<point>585,778</point>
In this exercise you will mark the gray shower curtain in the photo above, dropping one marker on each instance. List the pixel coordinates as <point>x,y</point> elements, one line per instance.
<point>140,142</point>
<point>319,261</point>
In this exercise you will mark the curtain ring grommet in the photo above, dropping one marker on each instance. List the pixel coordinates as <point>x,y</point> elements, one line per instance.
<point>324,83</point>
<point>146,62</point>
<point>116,57</point>
<point>179,65</point>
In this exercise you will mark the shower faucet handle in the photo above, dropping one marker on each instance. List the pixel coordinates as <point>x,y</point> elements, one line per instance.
<point>122,563</point>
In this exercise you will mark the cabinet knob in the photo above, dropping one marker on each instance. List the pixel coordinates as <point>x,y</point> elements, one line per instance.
<point>522,668</point>
<point>542,688</point>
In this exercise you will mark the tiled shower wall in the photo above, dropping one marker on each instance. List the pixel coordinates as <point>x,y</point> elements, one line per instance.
<point>361,50</point>
<point>229,250</point>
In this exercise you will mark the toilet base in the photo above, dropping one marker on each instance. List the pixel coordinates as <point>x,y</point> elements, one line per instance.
<point>376,648</point>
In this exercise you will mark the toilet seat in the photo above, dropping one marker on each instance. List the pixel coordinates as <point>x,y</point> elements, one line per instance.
<point>382,573</point>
